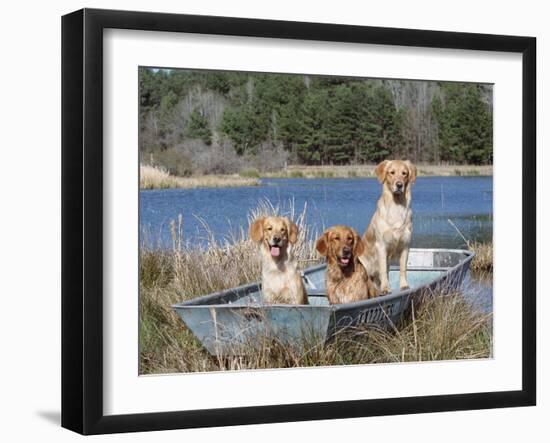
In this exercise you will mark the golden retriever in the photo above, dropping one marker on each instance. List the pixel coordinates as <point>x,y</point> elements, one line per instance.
<point>281,281</point>
<point>390,230</point>
<point>346,278</point>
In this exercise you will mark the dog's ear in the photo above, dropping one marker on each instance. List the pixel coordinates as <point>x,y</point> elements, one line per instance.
<point>380,170</point>
<point>322,244</point>
<point>412,171</point>
<point>358,245</point>
<point>256,229</point>
<point>292,231</point>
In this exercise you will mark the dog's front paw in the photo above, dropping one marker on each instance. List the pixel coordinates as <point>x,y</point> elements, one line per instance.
<point>404,286</point>
<point>385,289</point>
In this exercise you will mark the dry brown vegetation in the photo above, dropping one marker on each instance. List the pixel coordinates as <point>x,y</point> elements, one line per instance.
<point>351,171</point>
<point>440,328</point>
<point>483,260</point>
<point>154,177</point>
<point>157,177</point>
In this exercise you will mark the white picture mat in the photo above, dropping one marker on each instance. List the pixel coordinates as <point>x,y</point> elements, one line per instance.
<point>126,392</point>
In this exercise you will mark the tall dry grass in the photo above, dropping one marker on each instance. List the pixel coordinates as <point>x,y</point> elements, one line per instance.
<point>184,272</point>
<point>483,260</point>
<point>482,263</point>
<point>441,328</point>
<point>351,171</point>
<point>153,177</point>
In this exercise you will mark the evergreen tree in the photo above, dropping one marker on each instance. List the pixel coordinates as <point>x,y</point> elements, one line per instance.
<point>311,129</point>
<point>465,125</point>
<point>247,126</point>
<point>197,127</point>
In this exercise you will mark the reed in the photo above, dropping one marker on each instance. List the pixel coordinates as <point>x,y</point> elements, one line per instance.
<point>483,260</point>
<point>482,263</point>
<point>152,177</point>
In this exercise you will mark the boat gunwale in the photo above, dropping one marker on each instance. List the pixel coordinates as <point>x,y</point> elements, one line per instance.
<point>192,303</point>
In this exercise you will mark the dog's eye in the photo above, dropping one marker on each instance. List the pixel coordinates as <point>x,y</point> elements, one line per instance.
<point>270,228</point>
<point>336,238</point>
<point>392,172</point>
<point>283,229</point>
<point>404,173</point>
<point>350,238</point>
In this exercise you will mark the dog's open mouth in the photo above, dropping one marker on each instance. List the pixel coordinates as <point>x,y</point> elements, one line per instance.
<point>275,250</point>
<point>344,261</point>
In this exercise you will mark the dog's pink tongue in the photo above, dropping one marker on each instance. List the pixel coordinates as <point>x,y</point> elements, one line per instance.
<point>344,260</point>
<point>275,251</point>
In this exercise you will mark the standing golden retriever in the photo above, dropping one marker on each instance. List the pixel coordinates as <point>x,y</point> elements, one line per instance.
<point>390,230</point>
<point>346,278</point>
<point>281,281</point>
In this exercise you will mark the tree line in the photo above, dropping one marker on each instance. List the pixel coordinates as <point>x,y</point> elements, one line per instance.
<point>213,121</point>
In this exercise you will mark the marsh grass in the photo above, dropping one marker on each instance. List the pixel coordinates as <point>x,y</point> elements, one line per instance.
<point>438,328</point>
<point>153,177</point>
<point>482,262</point>
<point>361,171</point>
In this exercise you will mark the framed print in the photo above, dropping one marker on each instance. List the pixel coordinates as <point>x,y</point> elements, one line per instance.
<point>269,221</point>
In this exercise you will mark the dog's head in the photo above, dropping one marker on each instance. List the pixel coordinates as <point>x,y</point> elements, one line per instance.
<point>341,245</point>
<point>274,234</point>
<point>396,174</point>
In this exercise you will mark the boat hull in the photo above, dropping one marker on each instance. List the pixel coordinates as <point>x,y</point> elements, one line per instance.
<point>237,322</point>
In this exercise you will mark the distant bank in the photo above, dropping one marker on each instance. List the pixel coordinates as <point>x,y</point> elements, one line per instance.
<point>157,178</point>
<point>330,171</point>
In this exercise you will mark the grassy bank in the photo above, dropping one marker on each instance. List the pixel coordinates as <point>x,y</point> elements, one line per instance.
<point>441,328</point>
<point>152,177</point>
<point>157,178</point>
<point>368,171</point>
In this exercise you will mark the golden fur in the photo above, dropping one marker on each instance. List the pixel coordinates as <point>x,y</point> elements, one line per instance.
<point>390,230</point>
<point>281,281</point>
<point>346,278</point>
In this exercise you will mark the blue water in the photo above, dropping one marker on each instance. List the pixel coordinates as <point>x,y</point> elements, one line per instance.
<point>466,201</point>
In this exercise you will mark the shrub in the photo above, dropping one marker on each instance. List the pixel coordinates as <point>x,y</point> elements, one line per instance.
<point>250,173</point>
<point>174,161</point>
<point>296,174</point>
<point>218,158</point>
<point>270,157</point>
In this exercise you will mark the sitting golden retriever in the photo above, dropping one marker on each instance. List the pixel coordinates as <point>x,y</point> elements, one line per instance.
<point>346,278</point>
<point>281,281</point>
<point>390,230</point>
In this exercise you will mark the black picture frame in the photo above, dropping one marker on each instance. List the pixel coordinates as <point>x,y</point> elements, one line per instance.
<point>82,218</point>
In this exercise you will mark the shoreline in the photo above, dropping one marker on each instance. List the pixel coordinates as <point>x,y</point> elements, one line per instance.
<point>157,178</point>
<point>366,171</point>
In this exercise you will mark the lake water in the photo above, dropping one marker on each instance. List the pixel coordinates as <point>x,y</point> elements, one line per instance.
<point>466,201</point>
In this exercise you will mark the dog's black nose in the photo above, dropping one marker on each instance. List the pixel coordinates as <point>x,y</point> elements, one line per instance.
<point>346,250</point>
<point>399,185</point>
<point>276,239</point>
